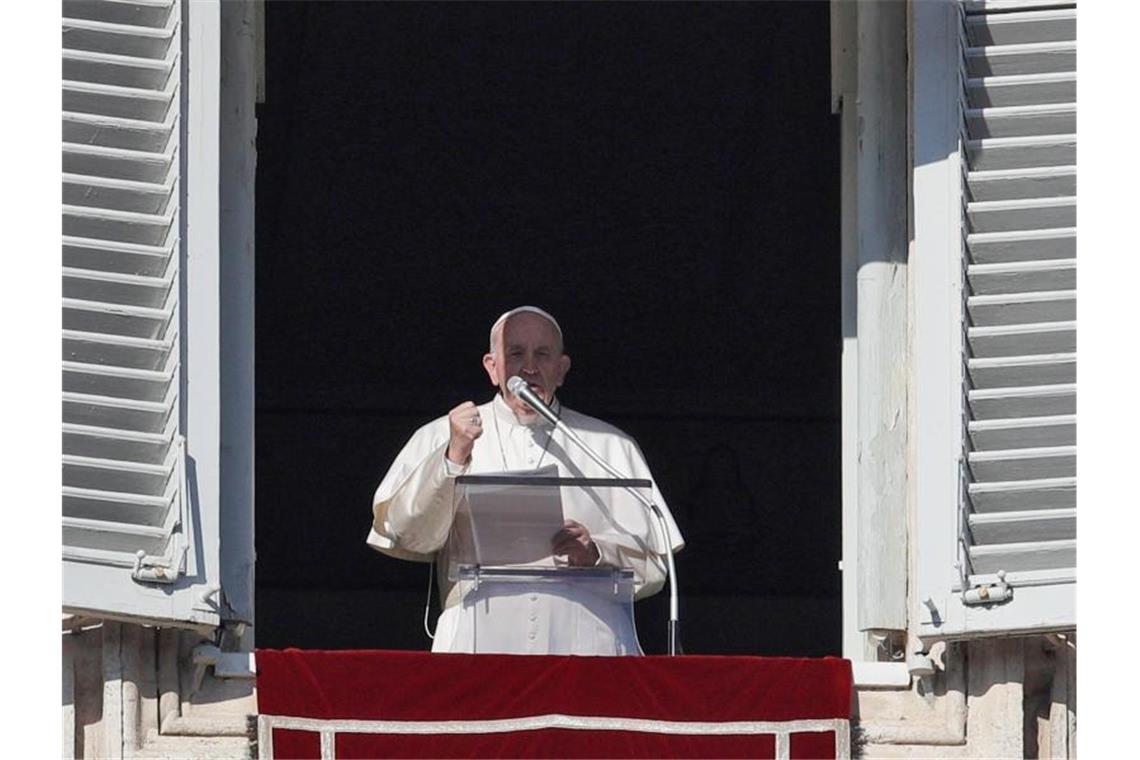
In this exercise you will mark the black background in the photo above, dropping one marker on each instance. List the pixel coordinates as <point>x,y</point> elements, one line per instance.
<point>664,178</point>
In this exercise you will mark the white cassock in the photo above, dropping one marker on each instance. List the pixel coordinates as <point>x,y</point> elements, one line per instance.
<point>415,505</point>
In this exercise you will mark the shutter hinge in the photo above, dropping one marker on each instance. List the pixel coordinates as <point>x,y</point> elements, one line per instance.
<point>159,569</point>
<point>989,593</point>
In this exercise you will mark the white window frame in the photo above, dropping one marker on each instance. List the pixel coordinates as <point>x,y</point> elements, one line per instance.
<point>936,385</point>
<point>240,71</point>
<point>219,297</point>
<point>201,397</point>
<point>849,51</point>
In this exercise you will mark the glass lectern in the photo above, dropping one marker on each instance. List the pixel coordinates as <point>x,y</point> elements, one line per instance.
<point>517,597</point>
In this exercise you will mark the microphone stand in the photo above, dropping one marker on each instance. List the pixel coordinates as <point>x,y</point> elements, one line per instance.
<point>674,628</point>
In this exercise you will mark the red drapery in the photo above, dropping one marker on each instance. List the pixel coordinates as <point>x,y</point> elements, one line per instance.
<point>426,688</point>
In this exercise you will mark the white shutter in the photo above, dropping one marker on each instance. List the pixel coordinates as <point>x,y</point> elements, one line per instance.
<point>126,516</point>
<point>1017,521</point>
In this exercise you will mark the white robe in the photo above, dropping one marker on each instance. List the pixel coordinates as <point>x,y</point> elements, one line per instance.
<point>415,504</point>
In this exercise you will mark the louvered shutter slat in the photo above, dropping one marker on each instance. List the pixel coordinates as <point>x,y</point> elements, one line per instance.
<point>128,39</point>
<point>118,163</point>
<point>1021,278</point>
<point>117,287</point>
<point>1014,371</point>
<point>1049,182</point>
<point>114,537</point>
<point>118,256</point>
<point>989,435</point>
<point>116,132</point>
<point>128,445</point>
<point>995,6</point>
<point>134,103</point>
<point>1022,90</point>
<point>114,507</point>
<point>1022,214</point>
<point>1019,300</point>
<point>143,74</point>
<point>136,353</point>
<point>1022,60</point>
<point>122,466</point>
<point>1022,464</point>
<point>1020,246</point>
<point>1015,121</point>
<point>1021,307</point>
<point>136,480</point>
<point>1019,340</point>
<point>145,229</point>
<point>1030,26</point>
<point>106,411</point>
<point>1031,526</point>
<point>117,319</point>
<point>1014,495</point>
<point>118,382</point>
<point>119,195</point>
<point>149,13</point>
<point>1026,556</point>
<point>1034,401</point>
<point>993,153</point>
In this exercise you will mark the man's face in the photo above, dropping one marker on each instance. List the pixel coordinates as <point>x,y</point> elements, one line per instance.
<point>527,346</point>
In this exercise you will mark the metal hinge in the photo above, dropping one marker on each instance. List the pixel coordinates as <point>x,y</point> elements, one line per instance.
<point>989,593</point>
<point>149,569</point>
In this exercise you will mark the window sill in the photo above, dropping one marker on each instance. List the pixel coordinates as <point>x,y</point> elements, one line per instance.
<point>881,675</point>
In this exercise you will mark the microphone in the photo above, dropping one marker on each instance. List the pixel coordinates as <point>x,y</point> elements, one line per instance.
<point>519,387</point>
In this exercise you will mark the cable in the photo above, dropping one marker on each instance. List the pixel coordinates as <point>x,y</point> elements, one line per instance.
<point>427,602</point>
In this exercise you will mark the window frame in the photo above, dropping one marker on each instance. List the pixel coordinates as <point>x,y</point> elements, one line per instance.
<point>861,174</point>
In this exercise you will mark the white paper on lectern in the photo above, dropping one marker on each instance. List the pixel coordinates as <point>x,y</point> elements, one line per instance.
<point>513,525</point>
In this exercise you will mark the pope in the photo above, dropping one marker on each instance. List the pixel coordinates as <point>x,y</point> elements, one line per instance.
<point>414,507</point>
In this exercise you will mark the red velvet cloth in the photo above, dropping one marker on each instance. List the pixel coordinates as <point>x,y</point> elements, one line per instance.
<point>391,685</point>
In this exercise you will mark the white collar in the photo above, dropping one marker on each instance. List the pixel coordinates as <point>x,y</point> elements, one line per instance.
<point>504,412</point>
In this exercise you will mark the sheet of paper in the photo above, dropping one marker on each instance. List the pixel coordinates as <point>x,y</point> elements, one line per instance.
<point>513,524</point>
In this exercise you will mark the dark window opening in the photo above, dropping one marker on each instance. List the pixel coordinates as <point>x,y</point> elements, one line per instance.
<point>664,178</point>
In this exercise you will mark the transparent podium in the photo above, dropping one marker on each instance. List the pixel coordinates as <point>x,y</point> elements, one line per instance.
<point>517,598</point>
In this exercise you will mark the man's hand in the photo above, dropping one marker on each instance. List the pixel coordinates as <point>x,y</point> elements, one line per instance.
<point>466,426</point>
<point>574,541</point>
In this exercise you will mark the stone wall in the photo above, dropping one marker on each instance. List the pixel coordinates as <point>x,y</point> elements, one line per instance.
<point>134,691</point>
<point>992,698</point>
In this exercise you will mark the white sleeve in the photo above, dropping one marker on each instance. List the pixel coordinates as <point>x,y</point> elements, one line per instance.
<point>649,566</point>
<point>414,505</point>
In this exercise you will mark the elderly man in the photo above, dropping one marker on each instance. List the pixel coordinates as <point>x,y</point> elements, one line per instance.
<point>415,505</point>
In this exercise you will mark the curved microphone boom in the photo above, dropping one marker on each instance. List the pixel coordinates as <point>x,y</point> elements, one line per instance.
<point>521,389</point>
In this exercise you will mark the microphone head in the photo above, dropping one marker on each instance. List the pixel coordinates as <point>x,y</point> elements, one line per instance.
<point>521,389</point>
<point>516,385</point>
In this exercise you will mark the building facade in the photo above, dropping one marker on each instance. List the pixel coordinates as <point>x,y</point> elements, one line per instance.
<point>958,436</point>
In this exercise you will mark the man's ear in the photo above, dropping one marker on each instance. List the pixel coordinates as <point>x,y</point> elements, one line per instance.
<point>490,365</point>
<point>563,368</point>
